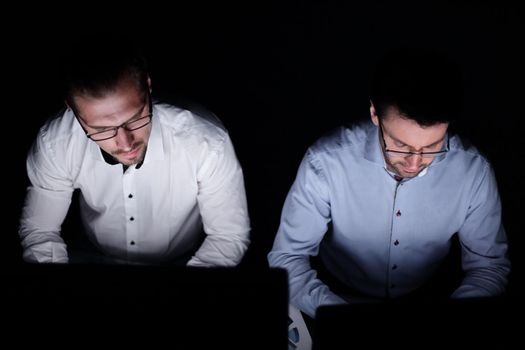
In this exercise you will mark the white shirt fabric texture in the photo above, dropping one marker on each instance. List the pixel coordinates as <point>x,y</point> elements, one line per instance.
<point>190,181</point>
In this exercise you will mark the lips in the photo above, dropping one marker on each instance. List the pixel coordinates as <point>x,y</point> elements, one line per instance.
<point>131,154</point>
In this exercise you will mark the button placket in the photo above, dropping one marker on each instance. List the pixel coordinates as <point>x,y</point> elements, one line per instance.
<point>130,207</point>
<point>398,230</point>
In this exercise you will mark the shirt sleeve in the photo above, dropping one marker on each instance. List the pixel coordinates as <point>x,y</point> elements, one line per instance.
<point>223,207</point>
<point>304,222</point>
<point>46,204</point>
<point>484,242</point>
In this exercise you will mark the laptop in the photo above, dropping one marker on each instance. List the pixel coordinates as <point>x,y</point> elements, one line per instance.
<point>485,322</point>
<point>183,308</point>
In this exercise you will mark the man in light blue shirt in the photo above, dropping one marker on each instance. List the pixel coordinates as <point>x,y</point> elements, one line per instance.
<point>380,201</point>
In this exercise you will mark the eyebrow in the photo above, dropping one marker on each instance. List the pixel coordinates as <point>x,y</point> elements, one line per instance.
<point>427,146</point>
<point>137,114</point>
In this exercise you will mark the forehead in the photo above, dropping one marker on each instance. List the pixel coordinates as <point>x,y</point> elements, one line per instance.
<point>410,132</point>
<point>114,107</point>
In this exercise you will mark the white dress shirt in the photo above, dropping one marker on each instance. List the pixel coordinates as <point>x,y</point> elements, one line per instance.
<point>190,180</point>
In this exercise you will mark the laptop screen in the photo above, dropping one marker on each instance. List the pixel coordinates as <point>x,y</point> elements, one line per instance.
<point>188,307</point>
<point>424,324</point>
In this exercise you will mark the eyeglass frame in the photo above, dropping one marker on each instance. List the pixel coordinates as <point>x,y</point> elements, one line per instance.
<point>123,125</point>
<point>407,154</point>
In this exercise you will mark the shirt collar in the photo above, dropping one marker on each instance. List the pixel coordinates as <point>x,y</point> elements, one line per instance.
<point>373,150</point>
<point>155,147</point>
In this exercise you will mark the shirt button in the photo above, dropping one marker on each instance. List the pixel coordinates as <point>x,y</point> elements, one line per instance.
<point>394,267</point>
<point>131,218</point>
<point>130,196</point>
<point>398,213</point>
<point>396,242</point>
<point>132,242</point>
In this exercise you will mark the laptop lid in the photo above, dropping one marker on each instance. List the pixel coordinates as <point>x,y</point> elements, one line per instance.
<point>182,307</point>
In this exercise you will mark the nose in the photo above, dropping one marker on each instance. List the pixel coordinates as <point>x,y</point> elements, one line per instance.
<point>414,161</point>
<point>124,139</point>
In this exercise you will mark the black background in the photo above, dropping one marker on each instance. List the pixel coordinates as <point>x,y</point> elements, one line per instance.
<point>279,75</point>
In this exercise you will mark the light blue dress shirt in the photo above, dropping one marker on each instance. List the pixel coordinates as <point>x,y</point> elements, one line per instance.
<point>382,237</point>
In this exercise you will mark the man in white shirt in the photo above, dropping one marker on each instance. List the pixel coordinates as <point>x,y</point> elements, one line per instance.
<point>156,182</point>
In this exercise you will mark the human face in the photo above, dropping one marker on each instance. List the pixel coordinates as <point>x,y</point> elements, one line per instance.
<point>406,135</point>
<point>126,103</point>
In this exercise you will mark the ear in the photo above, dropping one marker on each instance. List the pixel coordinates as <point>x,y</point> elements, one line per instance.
<point>149,84</point>
<point>373,114</point>
<point>69,106</point>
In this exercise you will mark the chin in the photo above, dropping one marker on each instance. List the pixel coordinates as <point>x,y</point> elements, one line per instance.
<point>129,162</point>
<point>410,175</point>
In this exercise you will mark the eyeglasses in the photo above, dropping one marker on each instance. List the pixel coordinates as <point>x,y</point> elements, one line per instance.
<point>406,154</point>
<point>129,126</point>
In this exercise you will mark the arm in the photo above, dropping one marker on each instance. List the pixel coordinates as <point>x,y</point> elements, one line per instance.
<point>46,204</point>
<point>483,242</point>
<point>304,221</point>
<point>223,207</point>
